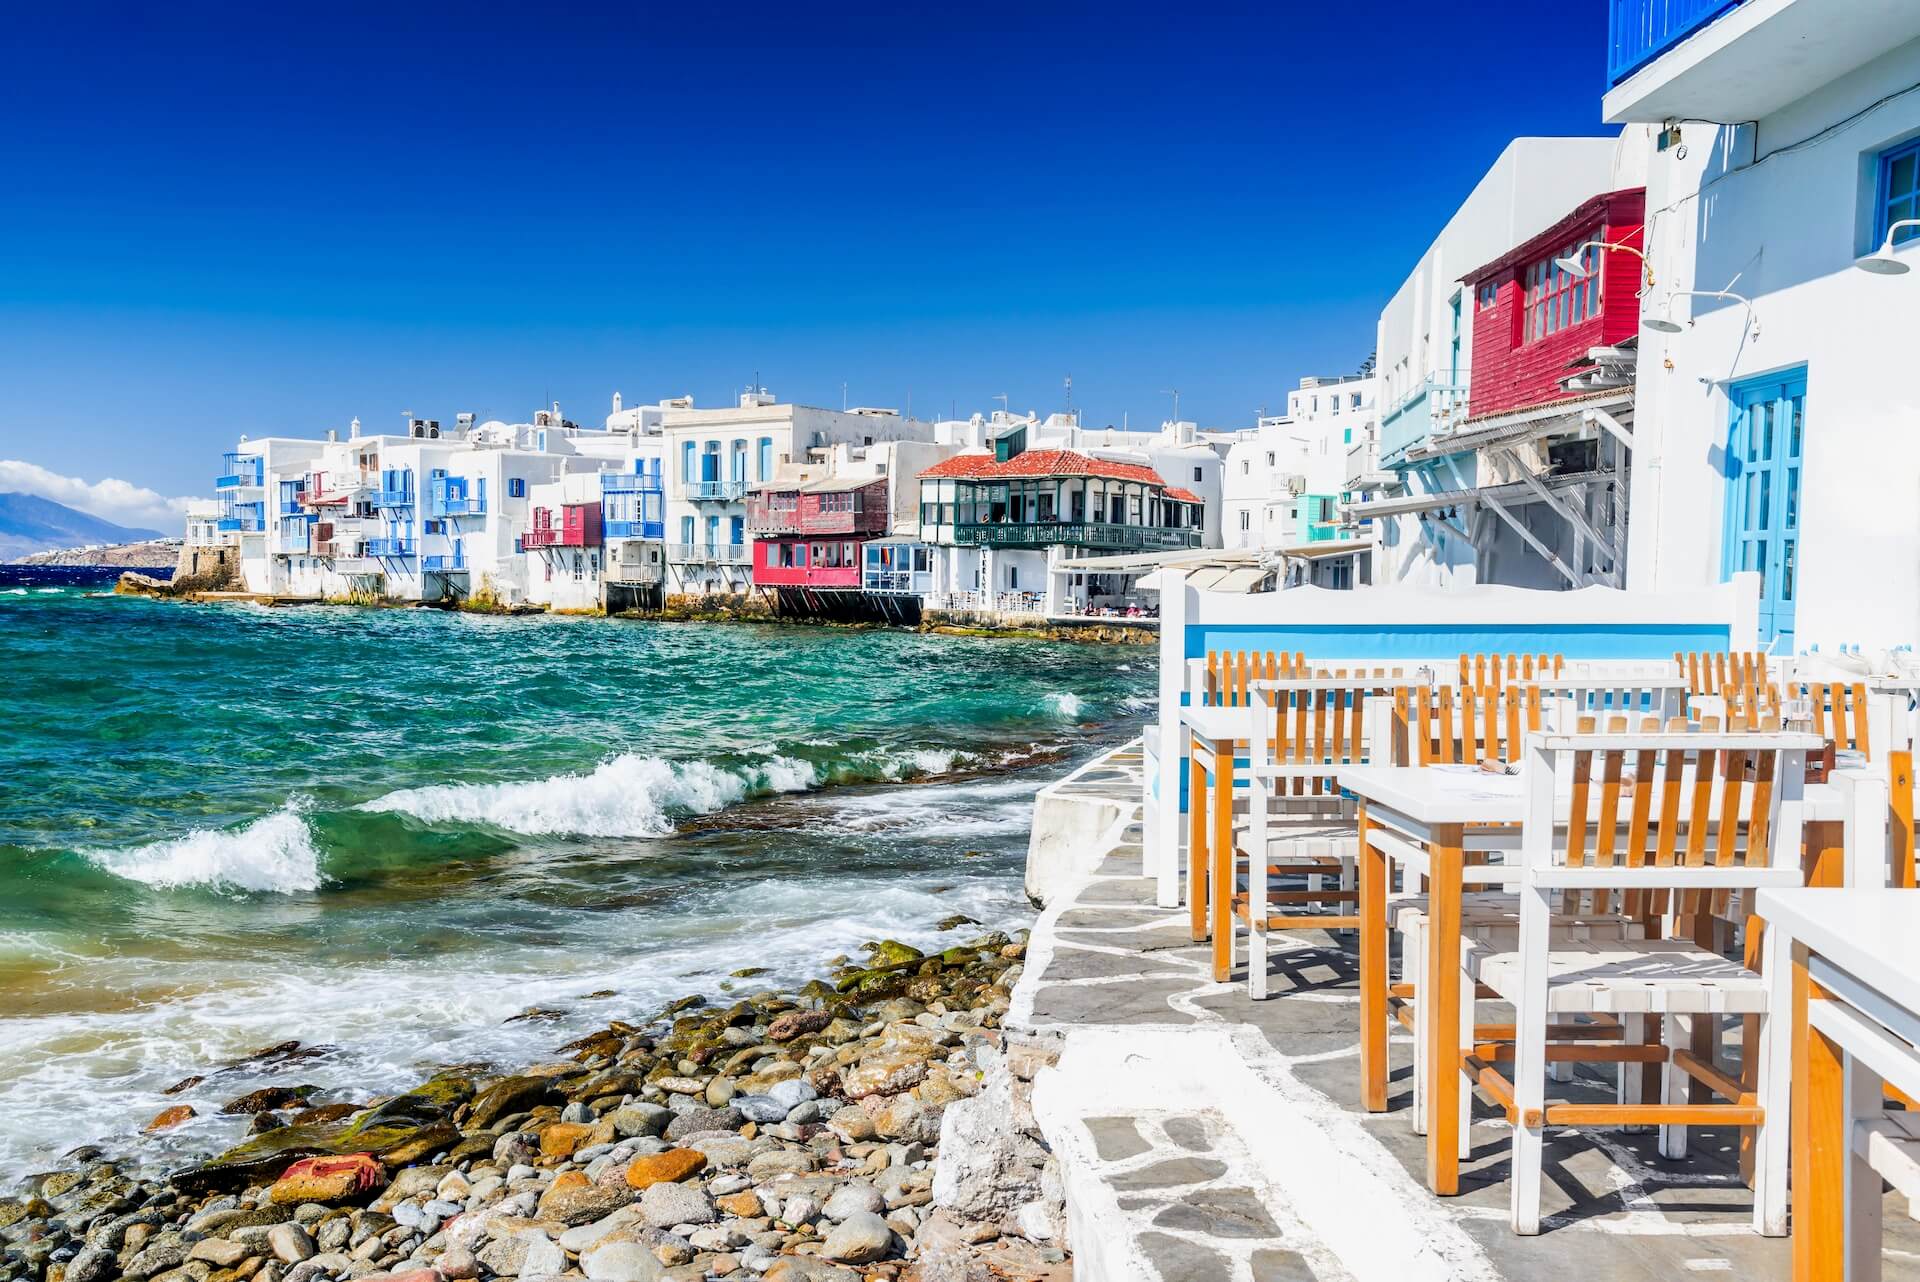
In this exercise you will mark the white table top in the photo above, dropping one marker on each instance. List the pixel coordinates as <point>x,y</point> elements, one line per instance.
<point>1469,795</point>
<point>1872,934</point>
<point>1212,721</point>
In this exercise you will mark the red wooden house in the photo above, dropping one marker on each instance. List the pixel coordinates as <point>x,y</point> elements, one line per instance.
<point>1533,318</point>
<point>809,534</point>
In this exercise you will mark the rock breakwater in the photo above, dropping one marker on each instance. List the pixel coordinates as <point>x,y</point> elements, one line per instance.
<point>871,1125</point>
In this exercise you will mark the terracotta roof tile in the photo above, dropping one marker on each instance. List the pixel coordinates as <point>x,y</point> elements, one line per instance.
<point>1036,463</point>
<point>1179,495</point>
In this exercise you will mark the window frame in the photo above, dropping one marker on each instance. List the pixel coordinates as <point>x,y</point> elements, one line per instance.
<point>1884,196</point>
<point>1550,295</point>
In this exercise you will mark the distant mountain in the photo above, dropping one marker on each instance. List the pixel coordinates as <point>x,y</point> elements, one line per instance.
<point>29,524</point>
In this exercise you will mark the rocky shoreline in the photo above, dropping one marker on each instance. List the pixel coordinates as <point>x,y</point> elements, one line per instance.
<point>871,1126</point>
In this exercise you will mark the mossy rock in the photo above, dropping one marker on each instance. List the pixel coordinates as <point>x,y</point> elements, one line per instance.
<point>891,952</point>
<point>399,1131</point>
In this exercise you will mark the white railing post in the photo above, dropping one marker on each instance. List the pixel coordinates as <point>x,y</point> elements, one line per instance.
<point>1160,847</point>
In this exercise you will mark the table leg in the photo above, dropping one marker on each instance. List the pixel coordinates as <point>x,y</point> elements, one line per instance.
<point>1443,1011</point>
<point>1196,839</point>
<point>1820,1147</point>
<point>1373,973</point>
<point>1222,882</point>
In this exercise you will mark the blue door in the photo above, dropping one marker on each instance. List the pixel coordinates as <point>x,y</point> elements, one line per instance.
<point>1764,451</point>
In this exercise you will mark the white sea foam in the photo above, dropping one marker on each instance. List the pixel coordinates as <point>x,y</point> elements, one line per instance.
<point>1136,703</point>
<point>14,592</point>
<point>625,796</point>
<point>274,853</point>
<point>1064,704</point>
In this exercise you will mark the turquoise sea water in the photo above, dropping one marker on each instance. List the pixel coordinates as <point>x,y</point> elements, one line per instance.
<point>388,832</point>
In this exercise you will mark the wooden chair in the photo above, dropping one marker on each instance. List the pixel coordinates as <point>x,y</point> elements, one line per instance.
<point>1299,825</point>
<point>1481,726</point>
<point>1710,813</point>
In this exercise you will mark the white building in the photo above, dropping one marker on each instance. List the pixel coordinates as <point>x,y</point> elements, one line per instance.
<point>1424,345</point>
<point>713,456</point>
<point>1775,429</point>
<point>431,512</point>
<point>1286,479</point>
<point>1026,493</point>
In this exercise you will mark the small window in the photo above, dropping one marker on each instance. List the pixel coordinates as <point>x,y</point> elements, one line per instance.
<point>1246,467</point>
<point>1485,294</point>
<point>1196,474</point>
<point>1269,458</point>
<point>1353,401</point>
<point>1899,193</point>
<point>1246,520</point>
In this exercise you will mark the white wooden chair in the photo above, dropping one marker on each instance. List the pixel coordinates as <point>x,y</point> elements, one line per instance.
<point>1299,824</point>
<point>1708,814</point>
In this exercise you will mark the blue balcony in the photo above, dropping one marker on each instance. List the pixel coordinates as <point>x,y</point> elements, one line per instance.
<point>1430,406</point>
<point>455,564</point>
<point>391,549</point>
<point>716,491</point>
<point>242,470</point>
<point>243,518</point>
<point>624,529</point>
<point>1641,30</point>
<point>393,498</point>
<point>629,482</point>
<point>454,496</point>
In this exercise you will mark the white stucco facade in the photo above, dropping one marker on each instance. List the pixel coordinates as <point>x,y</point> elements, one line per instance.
<point>1777,211</point>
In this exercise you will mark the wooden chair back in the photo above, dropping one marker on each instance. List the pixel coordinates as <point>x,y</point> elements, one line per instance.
<point>1740,677</point>
<point>1481,671</point>
<point>1655,800</point>
<point>1472,725</point>
<point>1839,712</point>
<point>1321,724</point>
<point>1229,671</point>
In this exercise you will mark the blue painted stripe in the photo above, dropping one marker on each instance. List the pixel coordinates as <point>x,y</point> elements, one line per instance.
<point>1448,641</point>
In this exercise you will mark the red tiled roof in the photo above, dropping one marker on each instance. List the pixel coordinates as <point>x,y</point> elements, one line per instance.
<point>1035,463</point>
<point>1184,496</point>
<point>975,464</point>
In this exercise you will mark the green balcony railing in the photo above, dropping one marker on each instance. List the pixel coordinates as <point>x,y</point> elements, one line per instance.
<point>1080,534</point>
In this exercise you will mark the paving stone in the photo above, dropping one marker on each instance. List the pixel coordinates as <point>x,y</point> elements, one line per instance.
<point>1220,1213</point>
<point>1099,918</point>
<point>1079,963</point>
<point>1179,1260</point>
<point>1133,890</point>
<point>1140,1003</point>
<point>1116,1138</point>
<point>1189,1133</point>
<point>1171,1173</point>
<point>1271,1264</point>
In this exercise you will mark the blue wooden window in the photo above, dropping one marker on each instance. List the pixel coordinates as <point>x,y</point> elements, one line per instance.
<point>516,487</point>
<point>737,530</point>
<point>1899,193</point>
<point>686,530</point>
<point>766,458</point>
<point>687,466</point>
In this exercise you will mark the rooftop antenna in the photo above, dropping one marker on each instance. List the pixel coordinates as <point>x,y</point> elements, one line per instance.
<point>843,396</point>
<point>1002,398</point>
<point>1174,392</point>
<point>1069,393</point>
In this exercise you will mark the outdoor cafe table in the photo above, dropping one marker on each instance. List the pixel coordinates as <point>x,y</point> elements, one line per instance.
<point>1856,1023</point>
<point>1452,810</point>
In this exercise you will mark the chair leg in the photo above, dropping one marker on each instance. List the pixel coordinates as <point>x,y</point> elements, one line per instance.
<point>1775,1091</point>
<point>1468,986</point>
<point>1413,963</point>
<point>1677,1030</point>
<point>1530,1064</point>
<point>1257,896</point>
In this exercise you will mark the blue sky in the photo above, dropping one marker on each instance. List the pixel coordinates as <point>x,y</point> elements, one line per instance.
<point>223,219</point>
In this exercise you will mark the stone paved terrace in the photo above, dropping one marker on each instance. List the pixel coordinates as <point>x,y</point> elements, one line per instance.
<point>1204,1135</point>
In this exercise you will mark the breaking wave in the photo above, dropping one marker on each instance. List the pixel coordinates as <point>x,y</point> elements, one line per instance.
<point>273,854</point>
<point>625,796</point>
<point>1064,704</point>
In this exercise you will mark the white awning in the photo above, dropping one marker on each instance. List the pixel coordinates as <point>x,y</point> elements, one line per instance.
<point>1324,548</point>
<point>1141,562</point>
